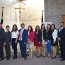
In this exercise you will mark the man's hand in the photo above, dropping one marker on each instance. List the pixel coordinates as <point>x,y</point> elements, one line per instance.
<point>59,38</point>
<point>4,43</point>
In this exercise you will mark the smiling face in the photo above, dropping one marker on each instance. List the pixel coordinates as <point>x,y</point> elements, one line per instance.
<point>52,26</point>
<point>61,24</point>
<point>14,27</point>
<point>42,27</point>
<point>37,28</point>
<point>7,28</point>
<point>48,26</point>
<point>22,26</point>
<point>29,28</point>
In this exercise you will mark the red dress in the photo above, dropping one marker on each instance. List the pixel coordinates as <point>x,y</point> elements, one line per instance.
<point>36,42</point>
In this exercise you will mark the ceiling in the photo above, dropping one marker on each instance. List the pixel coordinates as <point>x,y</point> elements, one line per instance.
<point>8,2</point>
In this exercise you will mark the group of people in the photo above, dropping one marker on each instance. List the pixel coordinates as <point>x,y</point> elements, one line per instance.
<point>44,39</point>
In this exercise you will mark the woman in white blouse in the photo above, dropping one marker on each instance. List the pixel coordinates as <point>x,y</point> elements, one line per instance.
<point>54,40</point>
<point>14,36</point>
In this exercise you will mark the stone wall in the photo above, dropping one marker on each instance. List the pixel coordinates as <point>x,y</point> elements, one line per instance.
<point>54,9</point>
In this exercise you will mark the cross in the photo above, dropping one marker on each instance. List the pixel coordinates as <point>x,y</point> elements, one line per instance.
<point>20,11</point>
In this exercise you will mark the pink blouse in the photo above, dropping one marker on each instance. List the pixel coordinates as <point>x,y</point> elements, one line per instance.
<point>31,36</point>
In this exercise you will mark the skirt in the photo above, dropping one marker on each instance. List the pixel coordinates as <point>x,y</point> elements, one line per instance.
<point>54,44</point>
<point>30,44</point>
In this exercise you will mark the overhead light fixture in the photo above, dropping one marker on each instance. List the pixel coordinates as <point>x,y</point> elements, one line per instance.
<point>20,0</point>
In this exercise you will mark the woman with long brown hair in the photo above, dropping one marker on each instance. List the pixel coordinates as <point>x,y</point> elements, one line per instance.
<point>44,39</point>
<point>38,41</point>
<point>49,39</point>
<point>54,40</point>
<point>30,40</point>
<point>14,36</point>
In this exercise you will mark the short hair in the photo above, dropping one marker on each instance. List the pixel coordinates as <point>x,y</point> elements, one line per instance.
<point>62,22</point>
<point>7,26</point>
<point>22,24</point>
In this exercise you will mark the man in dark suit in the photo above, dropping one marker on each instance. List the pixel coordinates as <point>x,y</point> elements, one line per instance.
<point>62,40</point>
<point>1,42</point>
<point>23,38</point>
<point>7,42</point>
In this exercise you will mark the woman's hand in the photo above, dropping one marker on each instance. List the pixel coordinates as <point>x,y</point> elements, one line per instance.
<point>54,42</point>
<point>39,42</point>
<point>15,41</point>
<point>48,40</point>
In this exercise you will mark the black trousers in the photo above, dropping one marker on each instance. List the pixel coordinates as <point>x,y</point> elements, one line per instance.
<point>8,50</point>
<point>1,50</point>
<point>14,46</point>
<point>62,48</point>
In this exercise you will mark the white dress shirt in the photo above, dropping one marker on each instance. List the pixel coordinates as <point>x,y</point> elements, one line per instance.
<point>55,35</point>
<point>60,29</point>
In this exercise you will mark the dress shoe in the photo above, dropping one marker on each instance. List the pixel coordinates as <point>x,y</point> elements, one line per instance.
<point>1,59</point>
<point>54,57</point>
<point>37,56</point>
<point>8,59</point>
<point>14,57</point>
<point>62,59</point>
<point>25,58</point>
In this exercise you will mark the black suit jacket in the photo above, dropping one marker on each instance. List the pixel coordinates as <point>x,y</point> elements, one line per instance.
<point>44,35</point>
<point>61,34</point>
<point>2,32</point>
<point>49,35</point>
<point>8,37</point>
<point>40,36</point>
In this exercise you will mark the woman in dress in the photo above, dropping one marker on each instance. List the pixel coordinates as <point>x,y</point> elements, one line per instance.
<point>54,40</point>
<point>30,40</point>
<point>44,39</point>
<point>49,39</point>
<point>38,41</point>
<point>14,35</point>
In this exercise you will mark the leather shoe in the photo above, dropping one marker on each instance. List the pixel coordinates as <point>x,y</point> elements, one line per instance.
<point>62,59</point>
<point>25,58</point>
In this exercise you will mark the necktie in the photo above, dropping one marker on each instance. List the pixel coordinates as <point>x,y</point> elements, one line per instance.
<point>20,35</point>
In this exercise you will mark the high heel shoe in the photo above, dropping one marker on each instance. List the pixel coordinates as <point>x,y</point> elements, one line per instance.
<point>54,57</point>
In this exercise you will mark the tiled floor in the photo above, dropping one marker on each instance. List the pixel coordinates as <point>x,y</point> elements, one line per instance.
<point>33,61</point>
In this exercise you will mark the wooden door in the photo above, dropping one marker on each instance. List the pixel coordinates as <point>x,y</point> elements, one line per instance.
<point>63,19</point>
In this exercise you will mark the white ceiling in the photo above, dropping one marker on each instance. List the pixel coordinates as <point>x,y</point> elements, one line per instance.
<point>6,2</point>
